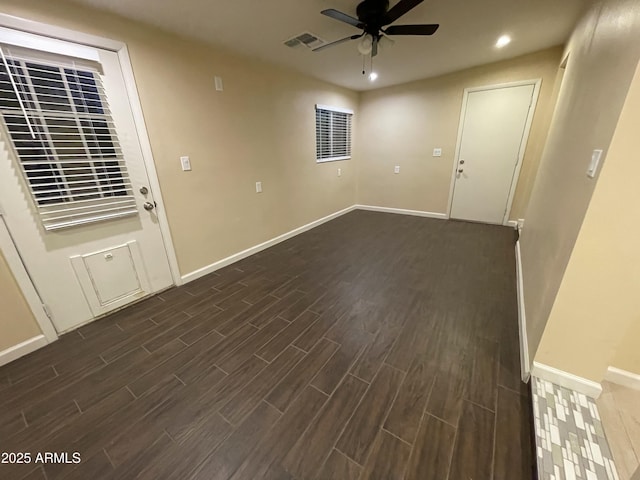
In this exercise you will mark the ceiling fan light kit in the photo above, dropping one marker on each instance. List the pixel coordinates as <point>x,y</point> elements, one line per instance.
<point>366,45</point>
<point>375,19</point>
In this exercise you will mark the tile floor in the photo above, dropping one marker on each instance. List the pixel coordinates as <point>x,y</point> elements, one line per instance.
<point>570,439</point>
<point>375,346</point>
<point>620,411</point>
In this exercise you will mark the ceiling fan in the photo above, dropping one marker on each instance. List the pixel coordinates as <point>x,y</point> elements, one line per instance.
<point>375,19</point>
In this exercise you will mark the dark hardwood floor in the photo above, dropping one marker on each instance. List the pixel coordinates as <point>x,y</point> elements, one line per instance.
<point>375,346</point>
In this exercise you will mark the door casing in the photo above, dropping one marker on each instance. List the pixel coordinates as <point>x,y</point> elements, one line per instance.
<point>525,138</point>
<point>7,245</point>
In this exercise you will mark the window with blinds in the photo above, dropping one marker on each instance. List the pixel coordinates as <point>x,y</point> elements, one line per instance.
<point>333,133</point>
<point>58,122</point>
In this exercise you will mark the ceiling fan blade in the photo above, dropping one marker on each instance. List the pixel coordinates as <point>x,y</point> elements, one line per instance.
<point>337,42</point>
<point>412,29</point>
<point>342,17</point>
<point>399,9</point>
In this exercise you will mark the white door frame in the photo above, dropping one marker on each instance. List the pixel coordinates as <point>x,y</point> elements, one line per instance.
<point>24,282</point>
<point>6,242</point>
<point>523,146</point>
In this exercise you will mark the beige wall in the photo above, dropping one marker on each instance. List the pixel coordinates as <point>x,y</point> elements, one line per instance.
<point>627,355</point>
<point>596,314</point>
<point>261,128</point>
<point>16,320</point>
<point>401,125</point>
<point>603,53</point>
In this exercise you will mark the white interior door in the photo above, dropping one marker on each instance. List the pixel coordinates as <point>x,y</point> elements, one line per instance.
<point>493,130</point>
<point>74,191</point>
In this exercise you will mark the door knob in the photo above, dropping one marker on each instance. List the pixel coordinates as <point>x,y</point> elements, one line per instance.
<point>461,170</point>
<point>461,162</point>
<point>144,190</point>
<point>148,206</point>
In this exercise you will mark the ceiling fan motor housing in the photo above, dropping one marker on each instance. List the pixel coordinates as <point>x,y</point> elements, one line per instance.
<point>373,18</point>
<point>371,13</point>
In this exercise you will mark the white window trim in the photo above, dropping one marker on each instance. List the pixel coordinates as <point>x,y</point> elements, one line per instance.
<point>6,243</point>
<point>332,159</point>
<point>334,109</point>
<point>17,38</point>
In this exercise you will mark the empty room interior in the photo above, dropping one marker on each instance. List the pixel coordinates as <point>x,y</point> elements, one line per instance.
<point>330,239</point>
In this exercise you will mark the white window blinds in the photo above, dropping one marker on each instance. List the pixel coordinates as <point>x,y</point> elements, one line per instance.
<point>333,133</point>
<point>58,122</point>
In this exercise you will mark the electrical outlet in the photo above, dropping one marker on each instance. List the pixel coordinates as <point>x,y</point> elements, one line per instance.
<point>258,187</point>
<point>437,152</point>
<point>339,172</point>
<point>186,164</point>
<point>396,169</point>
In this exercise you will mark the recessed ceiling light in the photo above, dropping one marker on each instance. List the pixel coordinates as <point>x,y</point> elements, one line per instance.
<point>503,41</point>
<point>373,76</point>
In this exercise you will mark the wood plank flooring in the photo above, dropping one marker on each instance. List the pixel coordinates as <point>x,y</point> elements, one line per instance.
<point>375,346</point>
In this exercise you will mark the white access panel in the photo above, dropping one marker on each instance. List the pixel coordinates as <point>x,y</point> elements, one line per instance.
<point>112,278</point>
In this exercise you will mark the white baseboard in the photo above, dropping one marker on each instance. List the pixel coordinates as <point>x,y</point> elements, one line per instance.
<point>623,378</point>
<point>201,272</point>
<point>516,224</point>
<point>568,380</point>
<point>402,211</point>
<point>525,362</point>
<point>22,349</point>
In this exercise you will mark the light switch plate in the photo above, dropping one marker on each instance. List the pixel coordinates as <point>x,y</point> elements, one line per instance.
<point>339,172</point>
<point>396,169</point>
<point>186,164</point>
<point>218,82</point>
<point>258,187</point>
<point>594,164</point>
<point>437,152</point>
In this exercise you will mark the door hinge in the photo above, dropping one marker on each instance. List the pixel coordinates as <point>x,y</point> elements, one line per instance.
<point>47,311</point>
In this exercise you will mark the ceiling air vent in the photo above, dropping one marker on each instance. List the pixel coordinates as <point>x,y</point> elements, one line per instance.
<point>307,39</point>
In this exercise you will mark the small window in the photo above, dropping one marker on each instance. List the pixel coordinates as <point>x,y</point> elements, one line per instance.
<point>333,134</point>
<point>63,135</point>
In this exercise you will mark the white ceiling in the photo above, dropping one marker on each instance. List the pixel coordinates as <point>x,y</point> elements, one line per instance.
<point>467,35</point>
